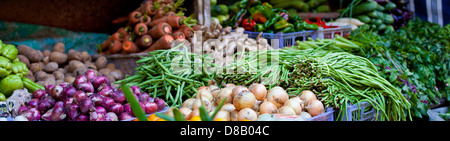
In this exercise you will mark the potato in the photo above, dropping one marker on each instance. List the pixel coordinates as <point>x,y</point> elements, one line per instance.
<point>111,66</point>
<point>69,79</point>
<point>80,71</point>
<point>24,60</point>
<point>63,71</point>
<point>111,78</point>
<point>33,56</point>
<point>58,57</point>
<point>51,67</point>
<point>75,56</point>
<point>74,64</point>
<point>68,75</point>
<point>30,76</point>
<point>59,47</point>
<point>86,56</point>
<point>40,75</point>
<point>104,71</point>
<point>71,51</point>
<point>59,82</point>
<point>46,60</point>
<point>117,74</point>
<point>35,67</point>
<point>49,81</point>
<point>90,65</point>
<point>101,62</point>
<point>46,53</point>
<point>58,75</point>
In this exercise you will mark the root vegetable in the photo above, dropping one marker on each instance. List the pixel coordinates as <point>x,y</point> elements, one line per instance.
<point>59,47</point>
<point>69,79</point>
<point>104,71</point>
<point>237,90</point>
<point>228,107</point>
<point>32,55</point>
<point>100,63</point>
<point>307,96</point>
<point>178,35</point>
<point>86,56</point>
<point>160,30</point>
<point>224,93</point>
<point>234,115</point>
<point>243,100</point>
<point>204,93</point>
<point>80,71</point>
<point>259,90</point>
<point>24,60</point>
<point>277,96</point>
<point>305,115</point>
<point>267,107</point>
<point>140,29</point>
<point>117,74</point>
<point>75,56</point>
<point>165,42</point>
<point>185,111</point>
<point>197,103</point>
<point>134,17</point>
<point>90,65</point>
<point>315,108</point>
<point>195,112</point>
<point>129,47</point>
<point>35,67</point>
<point>247,114</point>
<point>51,67</point>
<point>144,42</point>
<point>111,66</point>
<point>286,110</point>
<point>58,57</point>
<point>257,105</point>
<point>188,103</point>
<point>115,47</point>
<point>223,115</point>
<point>46,53</point>
<point>294,105</point>
<point>74,64</point>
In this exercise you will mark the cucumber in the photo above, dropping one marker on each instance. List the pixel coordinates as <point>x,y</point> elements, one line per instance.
<point>389,29</point>
<point>377,22</point>
<point>382,27</point>
<point>363,18</point>
<point>373,14</point>
<point>291,4</point>
<point>387,18</point>
<point>389,6</point>
<point>380,8</point>
<point>364,8</point>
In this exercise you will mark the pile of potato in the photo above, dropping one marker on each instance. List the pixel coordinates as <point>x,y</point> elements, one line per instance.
<point>56,67</point>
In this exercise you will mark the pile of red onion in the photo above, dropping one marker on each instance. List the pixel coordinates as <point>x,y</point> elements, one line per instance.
<point>89,98</point>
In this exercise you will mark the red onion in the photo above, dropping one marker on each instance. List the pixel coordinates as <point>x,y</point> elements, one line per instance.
<point>100,109</point>
<point>97,99</point>
<point>86,87</point>
<point>48,88</point>
<point>86,105</point>
<point>56,92</point>
<point>118,97</point>
<point>136,90</point>
<point>68,101</point>
<point>72,111</point>
<point>116,108</point>
<point>125,115</point>
<point>22,109</point>
<point>150,107</point>
<point>38,93</point>
<point>111,116</point>
<point>160,103</point>
<point>127,108</point>
<point>69,91</point>
<point>144,98</point>
<point>82,118</point>
<point>47,116</point>
<point>32,114</point>
<point>64,85</point>
<point>80,79</point>
<point>33,103</point>
<point>150,99</point>
<point>106,91</point>
<point>58,104</point>
<point>96,116</point>
<point>107,101</point>
<point>50,99</point>
<point>44,106</point>
<point>90,75</point>
<point>79,96</point>
<point>58,114</point>
<point>100,81</point>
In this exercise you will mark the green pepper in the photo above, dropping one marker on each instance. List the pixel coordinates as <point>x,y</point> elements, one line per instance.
<point>298,26</point>
<point>19,68</point>
<point>9,84</point>
<point>259,27</point>
<point>30,85</point>
<point>5,67</point>
<point>255,9</point>
<point>281,24</point>
<point>243,4</point>
<point>311,26</point>
<point>272,20</point>
<point>252,3</point>
<point>240,16</point>
<point>9,51</point>
<point>288,29</point>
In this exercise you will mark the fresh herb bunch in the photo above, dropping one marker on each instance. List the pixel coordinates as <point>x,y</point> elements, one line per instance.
<point>415,59</point>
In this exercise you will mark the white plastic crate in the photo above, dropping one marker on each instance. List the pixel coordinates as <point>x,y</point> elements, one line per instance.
<point>434,113</point>
<point>280,39</point>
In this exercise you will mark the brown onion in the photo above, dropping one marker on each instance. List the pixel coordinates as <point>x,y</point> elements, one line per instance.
<point>228,107</point>
<point>198,102</point>
<point>223,115</point>
<point>307,96</point>
<point>194,113</point>
<point>224,93</point>
<point>286,110</point>
<point>277,96</point>
<point>257,105</point>
<point>259,90</point>
<point>315,108</point>
<point>244,99</point>
<point>234,115</point>
<point>188,103</point>
<point>204,93</point>
<point>294,105</point>
<point>185,111</point>
<point>247,114</point>
<point>237,90</point>
<point>267,107</point>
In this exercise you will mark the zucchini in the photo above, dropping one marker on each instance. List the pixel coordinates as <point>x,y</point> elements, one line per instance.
<point>381,27</point>
<point>377,22</point>
<point>291,4</point>
<point>373,14</point>
<point>364,8</point>
<point>363,18</point>
<point>387,18</point>
<point>380,8</point>
<point>389,29</point>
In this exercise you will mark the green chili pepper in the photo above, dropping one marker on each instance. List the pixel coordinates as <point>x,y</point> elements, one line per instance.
<point>30,85</point>
<point>272,20</point>
<point>243,4</point>
<point>9,51</point>
<point>259,27</point>
<point>311,26</point>
<point>288,29</point>
<point>298,26</point>
<point>281,24</point>
<point>240,16</point>
<point>5,67</point>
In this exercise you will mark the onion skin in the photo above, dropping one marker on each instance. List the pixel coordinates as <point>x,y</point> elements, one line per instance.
<point>69,91</point>
<point>82,118</point>
<point>125,115</point>
<point>95,116</point>
<point>111,116</point>
<point>224,93</point>
<point>79,96</point>
<point>86,105</point>
<point>228,107</point>
<point>286,110</point>
<point>90,75</point>
<point>119,97</point>
<point>237,90</point>
<point>294,105</point>
<point>259,90</point>
<point>188,103</point>
<point>267,107</point>
<point>247,114</point>
<point>79,80</point>
<point>160,103</point>
<point>38,93</point>
<point>57,92</point>
<point>244,99</point>
<point>185,111</point>
<point>307,96</point>
<point>100,81</point>
<point>315,108</point>
<point>194,113</point>
<point>117,108</point>
<point>223,115</point>
<point>234,115</point>
<point>33,103</point>
<point>204,92</point>
<point>277,96</point>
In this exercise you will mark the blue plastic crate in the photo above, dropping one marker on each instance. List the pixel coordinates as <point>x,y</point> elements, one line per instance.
<point>361,112</point>
<point>330,32</point>
<point>280,39</point>
<point>327,116</point>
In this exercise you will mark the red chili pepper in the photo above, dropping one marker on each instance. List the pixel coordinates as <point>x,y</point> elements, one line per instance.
<point>248,24</point>
<point>259,18</point>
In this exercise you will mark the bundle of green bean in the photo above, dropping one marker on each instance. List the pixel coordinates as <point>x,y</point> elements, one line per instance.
<point>156,75</point>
